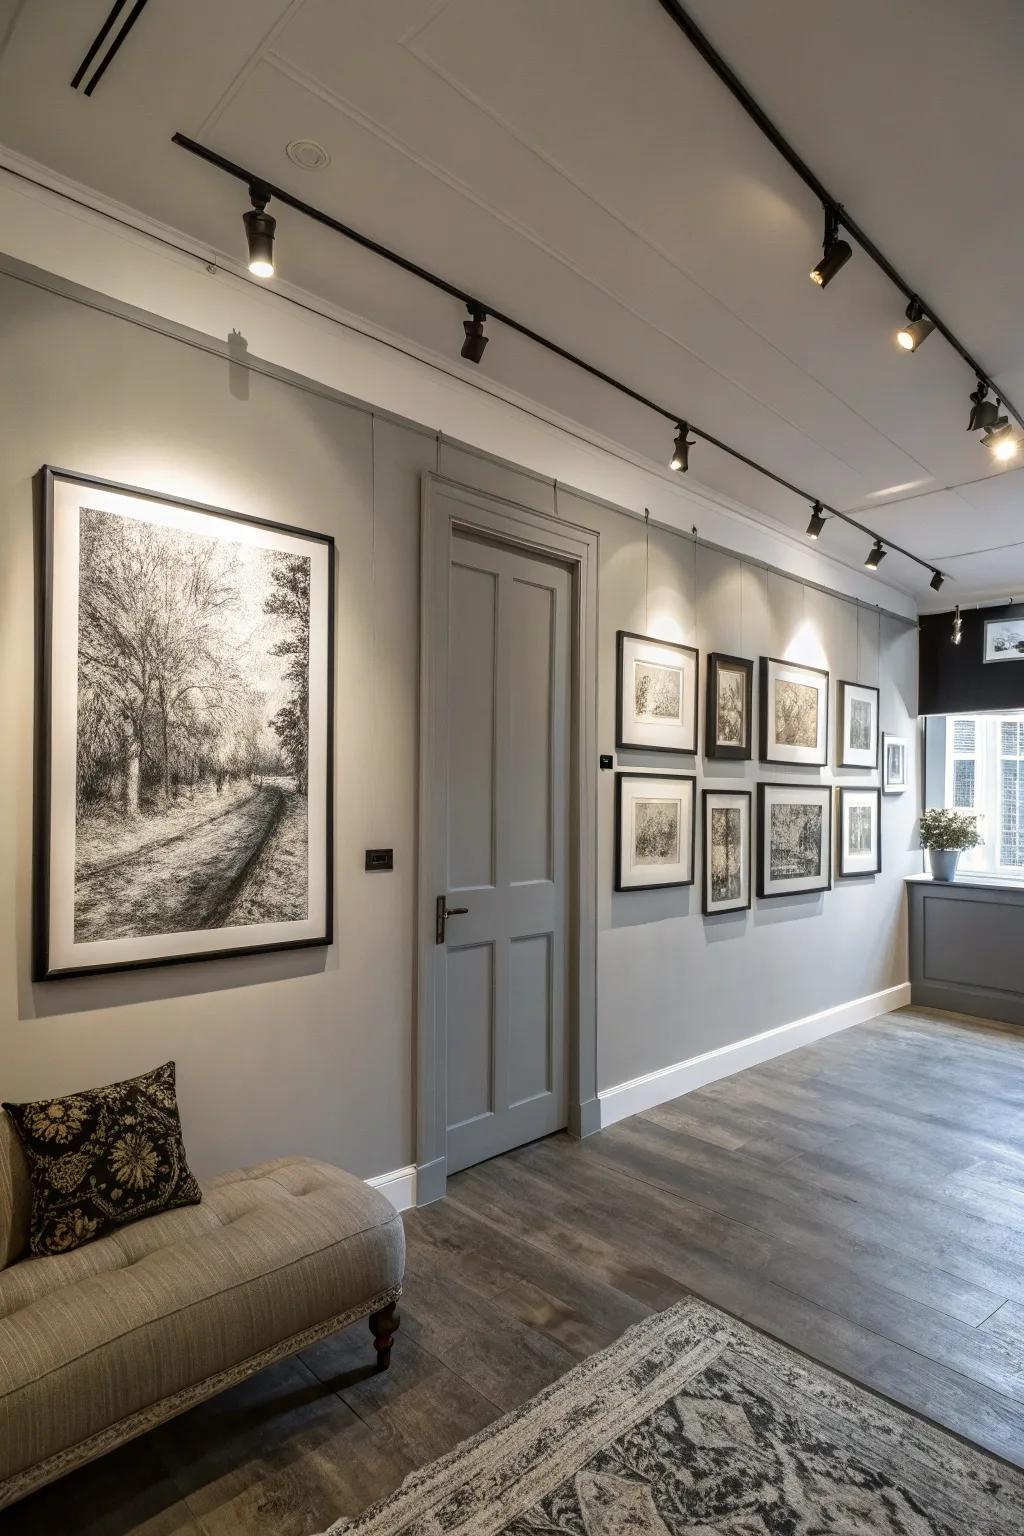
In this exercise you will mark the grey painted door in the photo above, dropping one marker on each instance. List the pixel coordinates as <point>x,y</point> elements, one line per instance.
<point>508,691</point>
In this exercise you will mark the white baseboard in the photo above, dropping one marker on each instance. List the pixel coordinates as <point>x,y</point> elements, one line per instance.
<point>684,1076</point>
<point>399,1185</point>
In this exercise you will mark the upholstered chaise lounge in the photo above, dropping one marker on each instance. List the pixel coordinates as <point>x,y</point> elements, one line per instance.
<point>99,1344</point>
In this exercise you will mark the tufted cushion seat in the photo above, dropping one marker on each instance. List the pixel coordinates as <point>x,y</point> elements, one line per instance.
<point>102,1342</point>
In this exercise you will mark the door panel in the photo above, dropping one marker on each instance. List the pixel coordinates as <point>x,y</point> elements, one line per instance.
<point>508,802</point>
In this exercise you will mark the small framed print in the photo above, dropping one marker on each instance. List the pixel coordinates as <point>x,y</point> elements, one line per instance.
<point>654,830</point>
<point>894,764</point>
<point>794,839</point>
<point>858,726</point>
<point>860,832</point>
<point>656,686</point>
<point>1004,640</point>
<point>727,850</point>
<point>727,717</point>
<point>794,713</point>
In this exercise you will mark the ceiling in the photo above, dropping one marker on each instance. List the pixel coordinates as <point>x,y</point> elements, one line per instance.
<point>579,166</point>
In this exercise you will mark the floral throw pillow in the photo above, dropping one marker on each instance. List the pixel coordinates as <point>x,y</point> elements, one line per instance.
<point>103,1158</point>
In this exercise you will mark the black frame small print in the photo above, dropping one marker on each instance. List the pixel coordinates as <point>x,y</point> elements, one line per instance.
<point>184,792</point>
<point>656,685</point>
<point>892,785</point>
<point>667,829</point>
<point>739,667</point>
<point>784,868</point>
<point>742,801</point>
<point>865,858</point>
<point>798,679</point>
<point>853,700</point>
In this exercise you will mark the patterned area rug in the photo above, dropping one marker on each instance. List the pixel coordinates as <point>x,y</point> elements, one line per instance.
<point>694,1423</point>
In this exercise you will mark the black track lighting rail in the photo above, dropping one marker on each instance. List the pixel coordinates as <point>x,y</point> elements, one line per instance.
<point>252,180</point>
<point>833,208</point>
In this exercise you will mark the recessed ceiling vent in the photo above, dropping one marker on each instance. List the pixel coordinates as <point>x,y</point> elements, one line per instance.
<point>107,44</point>
<point>308,153</point>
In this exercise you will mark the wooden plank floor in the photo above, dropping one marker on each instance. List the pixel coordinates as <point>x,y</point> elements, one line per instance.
<point>861,1199</point>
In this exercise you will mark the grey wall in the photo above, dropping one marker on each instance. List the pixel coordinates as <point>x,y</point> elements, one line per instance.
<point>314,1051</point>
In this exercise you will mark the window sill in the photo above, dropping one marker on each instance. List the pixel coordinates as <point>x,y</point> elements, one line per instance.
<point>979,882</point>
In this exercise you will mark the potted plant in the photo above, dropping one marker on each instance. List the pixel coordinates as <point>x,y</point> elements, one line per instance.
<point>946,834</point>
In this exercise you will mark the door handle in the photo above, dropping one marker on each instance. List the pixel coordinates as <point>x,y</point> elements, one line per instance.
<point>444,912</point>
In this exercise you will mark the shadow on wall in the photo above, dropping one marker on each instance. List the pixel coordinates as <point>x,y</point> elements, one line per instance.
<point>238,366</point>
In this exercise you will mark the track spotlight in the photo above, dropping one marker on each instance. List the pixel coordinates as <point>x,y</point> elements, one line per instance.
<point>876,555</point>
<point>475,342</point>
<point>984,412</point>
<point>817,521</point>
<point>936,581</point>
<point>836,252</point>
<point>917,328</point>
<point>1001,439</point>
<point>958,626</point>
<point>680,459</point>
<point>259,232</point>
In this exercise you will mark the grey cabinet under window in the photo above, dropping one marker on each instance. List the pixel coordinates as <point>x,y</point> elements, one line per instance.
<point>967,947</point>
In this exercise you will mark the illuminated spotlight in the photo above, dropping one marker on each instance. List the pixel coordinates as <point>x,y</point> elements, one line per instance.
<point>958,626</point>
<point>916,329</point>
<point>836,252</point>
<point>817,521</point>
<point>475,343</point>
<point>936,581</point>
<point>984,412</point>
<point>1002,440</point>
<point>876,556</point>
<point>680,459</point>
<point>259,232</point>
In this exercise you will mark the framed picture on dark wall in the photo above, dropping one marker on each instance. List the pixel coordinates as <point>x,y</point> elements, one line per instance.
<point>895,773</point>
<point>794,713</point>
<point>727,717</point>
<point>859,838</point>
<point>1004,640</point>
<point>654,830</point>
<point>858,726</point>
<point>727,850</point>
<point>794,839</point>
<point>656,694</point>
<point>185,766</point>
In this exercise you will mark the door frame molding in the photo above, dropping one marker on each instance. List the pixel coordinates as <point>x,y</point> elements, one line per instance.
<point>446,507</point>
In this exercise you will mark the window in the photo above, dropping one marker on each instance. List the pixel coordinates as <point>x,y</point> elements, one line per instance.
<point>985,774</point>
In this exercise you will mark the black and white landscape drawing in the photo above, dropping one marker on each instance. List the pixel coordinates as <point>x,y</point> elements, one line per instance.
<point>796,714</point>
<point>657,693</point>
<point>193,731</point>
<point>726,853</point>
<point>858,835</point>
<point>657,830</point>
<point>1004,640</point>
<point>731,716</point>
<point>795,842</point>
<point>860,725</point>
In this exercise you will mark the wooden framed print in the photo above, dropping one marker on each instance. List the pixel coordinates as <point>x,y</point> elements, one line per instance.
<point>895,764</point>
<point>654,830</point>
<point>794,713</point>
<point>794,839</point>
<point>860,831</point>
<point>656,694</point>
<point>185,771</point>
<point>727,717</point>
<point>727,850</point>
<point>858,726</point>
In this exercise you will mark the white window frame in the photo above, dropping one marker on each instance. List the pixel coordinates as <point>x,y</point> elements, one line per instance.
<point>988,761</point>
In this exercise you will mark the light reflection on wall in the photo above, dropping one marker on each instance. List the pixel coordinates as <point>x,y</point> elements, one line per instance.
<point>806,647</point>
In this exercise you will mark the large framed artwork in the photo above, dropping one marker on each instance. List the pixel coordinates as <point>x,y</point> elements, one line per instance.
<point>794,839</point>
<point>858,726</point>
<point>895,772</point>
<point>656,694</point>
<point>1004,640</point>
<point>654,830</point>
<point>727,717</point>
<point>186,725</point>
<point>727,850</point>
<point>860,831</point>
<point>794,713</point>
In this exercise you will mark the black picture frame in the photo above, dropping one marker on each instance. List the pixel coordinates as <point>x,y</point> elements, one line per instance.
<point>658,885</point>
<point>621,740</point>
<point>842,746</point>
<point>889,787</point>
<point>44,485</point>
<point>764,677</point>
<point>842,791</point>
<point>712,748</point>
<point>825,791</point>
<point>730,794</point>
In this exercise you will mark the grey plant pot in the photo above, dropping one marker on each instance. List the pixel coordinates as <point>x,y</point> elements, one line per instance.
<point>943,862</point>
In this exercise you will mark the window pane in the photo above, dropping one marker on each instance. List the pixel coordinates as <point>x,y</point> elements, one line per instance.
<point>963,783</point>
<point>1011,739</point>
<point>1011,821</point>
<point>963,735</point>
